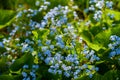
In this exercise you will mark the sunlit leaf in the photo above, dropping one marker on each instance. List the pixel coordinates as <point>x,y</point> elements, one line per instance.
<point>116,13</point>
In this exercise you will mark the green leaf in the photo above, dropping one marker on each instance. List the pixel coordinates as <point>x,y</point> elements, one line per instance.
<point>6,17</point>
<point>3,65</point>
<point>88,38</point>
<point>43,33</point>
<point>6,77</point>
<point>1,36</point>
<point>35,34</point>
<point>116,13</point>
<point>111,75</point>
<point>18,64</point>
<point>9,4</point>
<point>102,38</point>
<point>116,30</point>
<point>96,47</point>
<point>84,78</point>
<point>97,76</point>
<point>95,30</point>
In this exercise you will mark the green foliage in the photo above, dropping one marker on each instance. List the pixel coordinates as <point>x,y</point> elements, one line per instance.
<point>25,59</point>
<point>111,75</point>
<point>82,4</point>
<point>89,39</point>
<point>53,39</point>
<point>60,2</point>
<point>40,34</point>
<point>3,65</point>
<point>6,77</point>
<point>1,36</point>
<point>8,4</point>
<point>97,76</point>
<point>116,14</point>
<point>7,16</point>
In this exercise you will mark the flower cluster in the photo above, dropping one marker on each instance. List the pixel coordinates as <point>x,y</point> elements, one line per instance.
<point>109,4</point>
<point>59,30</point>
<point>90,54</point>
<point>54,41</point>
<point>97,6</point>
<point>114,46</point>
<point>28,75</point>
<point>70,66</point>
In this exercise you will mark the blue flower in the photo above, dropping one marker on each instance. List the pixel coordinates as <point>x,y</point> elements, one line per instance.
<point>88,71</point>
<point>35,66</point>
<point>24,79</point>
<point>58,38</point>
<point>75,76</point>
<point>112,54</point>
<point>92,8</point>
<point>19,14</point>
<point>48,42</point>
<point>59,71</point>
<point>93,58</point>
<point>37,25</point>
<point>86,11</point>
<point>48,60</point>
<point>92,1</point>
<point>27,41</point>
<point>32,74</point>
<point>28,78</point>
<point>25,11</point>
<point>57,65</point>
<point>50,70</point>
<point>44,48</point>
<point>66,68</point>
<point>25,67</point>
<point>51,46</point>
<point>90,75</point>
<point>47,53</point>
<point>100,4</point>
<point>37,3</point>
<point>47,3</point>
<point>43,24</point>
<point>97,15</point>
<point>109,4</point>
<point>40,56</point>
<point>24,74</point>
<point>77,72</point>
<point>84,66</point>
<point>25,47</point>
<point>114,46</point>
<point>117,51</point>
<point>61,45</point>
<point>67,74</point>
<point>111,15</point>
<point>97,69</point>
<point>113,38</point>
<point>1,44</point>
<point>111,46</point>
